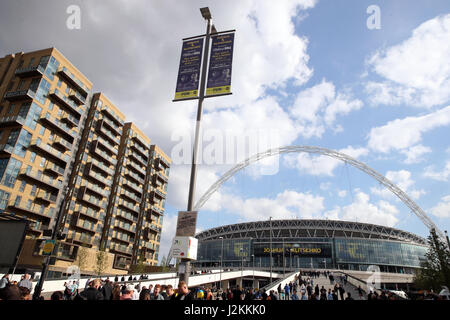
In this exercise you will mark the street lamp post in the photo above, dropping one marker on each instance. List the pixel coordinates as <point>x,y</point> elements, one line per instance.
<point>186,265</point>
<point>253,258</point>
<point>284,260</point>
<point>270,229</point>
<point>221,264</point>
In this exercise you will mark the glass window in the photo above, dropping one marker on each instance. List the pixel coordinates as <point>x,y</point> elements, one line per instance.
<point>22,143</point>
<point>34,84</point>
<point>23,184</point>
<point>42,130</point>
<point>32,157</point>
<point>43,162</point>
<point>33,190</point>
<point>42,92</point>
<point>52,67</point>
<point>11,173</point>
<point>11,108</point>
<point>33,116</point>
<point>12,138</point>
<point>4,198</point>
<point>3,165</point>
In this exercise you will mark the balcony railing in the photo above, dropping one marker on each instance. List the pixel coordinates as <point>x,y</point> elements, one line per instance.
<point>98,177</point>
<point>58,125</point>
<point>46,196</point>
<point>93,201</point>
<point>73,81</point>
<point>129,206</point>
<point>135,187</point>
<point>135,166</point>
<point>131,196</point>
<point>126,215</point>
<point>160,176</point>
<point>6,148</point>
<point>107,145</point>
<point>121,248</point>
<point>50,166</point>
<point>63,101</point>
<point>94,189</point>
<point>137,158</point>
<point>62,143</point>
<point>77,97</point>
<point>20,95</point>
<point>90,213</point>
<point>12,121</point>
<point>103,155</point>
<point>85,226</point>
<point>50,150</point>
<point>30,71</point>
<point>70,119</point>
<point>138,148</point>
<point>30,208</point>
<point>112,126</point>
<point>82,238</point>
<point>157,210</point>
<point>134,176</point>
<point>102,167</point>
<point>124,226</point>
<point>39,177</point>
<point>112,115</point>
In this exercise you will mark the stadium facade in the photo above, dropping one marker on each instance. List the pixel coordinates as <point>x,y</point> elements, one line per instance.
<point>317,244</point>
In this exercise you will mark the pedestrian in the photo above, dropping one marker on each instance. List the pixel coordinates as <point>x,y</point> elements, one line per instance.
<point>294,295</point>
<point>237,294</point>
<point>349,296</point>
<point>128,294</point>
<point>170,293</point>
<point>25,282</point>
<point>116,292</point>
<point>57,295</point>
<point>286,292</point>
<point>92,293</point>
<point>183,292</point>
<point>4,281</point>
<point>156,295</point>
<point>107,290</point>
<point>144,295</point>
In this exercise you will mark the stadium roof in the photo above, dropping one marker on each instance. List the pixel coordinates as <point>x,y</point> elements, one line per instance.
<point>303,228</point>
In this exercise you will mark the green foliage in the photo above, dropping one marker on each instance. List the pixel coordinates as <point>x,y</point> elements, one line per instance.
<point>435,271</point>
<point>101,262</point>
<point>82,257</point>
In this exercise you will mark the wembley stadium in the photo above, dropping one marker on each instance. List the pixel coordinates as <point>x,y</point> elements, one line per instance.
<point>316,244</point>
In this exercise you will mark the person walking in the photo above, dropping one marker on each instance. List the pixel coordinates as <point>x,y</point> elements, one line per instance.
<point>4,281</point>
<point>92,293</point>
<point>25,282</point>
<point>183,292</point>
<point>286,292</point>
<point>156,295</point>
<point>107,290</point>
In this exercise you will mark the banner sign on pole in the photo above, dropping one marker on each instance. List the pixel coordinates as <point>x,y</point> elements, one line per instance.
<point>189,70</point>
<point>220,61</point>
<point>187,220</point>
<point>47,249</point>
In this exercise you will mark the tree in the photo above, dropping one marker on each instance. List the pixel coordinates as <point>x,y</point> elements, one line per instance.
<point>82,257</point>
<point>101,261</point>
<point>435,271</point>
<point>140,266</point>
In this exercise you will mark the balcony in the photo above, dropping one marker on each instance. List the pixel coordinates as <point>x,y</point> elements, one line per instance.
<point>62,143</point>
<point>162,161</point>
<point>46,196</point>
<point>127,216</point>
<point>121,249</point>
<point>132,186</point>
<point>82,238</point>
<point>134,176</point>
<point>103,180</point>
<point>125,227</point>
<point>102,155</point>
<point>70,119</point>
<point>30,71</point>
<point>112,116</point>
<point>20,95</point>
<point>107,146</point>
<point>128,206</point>
<point>112,126</point>
<point>121,237</point>
<point>77,97</point>
<point>90,200</point>
<point>107,134</point>
<point>94,189</point>
<point>106,170</point>
<point>89,213</point>
<point>160,176</point>
<point>130,196</point>
<point>63,101</point>
<point>73,81</point>
<point>42,179</point>
<point>6,149</point>
<point>140,140</point>
<point>53,168</point>
<point>137,158</point>
<point>156,210</point>
<point>50,151</point>
<point>139,169</point>
<point>59,126</point>
<point>11,121</point>
<point>31,209</point>
<point>85,226</point>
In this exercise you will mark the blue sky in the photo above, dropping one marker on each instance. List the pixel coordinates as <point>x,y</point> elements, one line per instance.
<point>309,71</point>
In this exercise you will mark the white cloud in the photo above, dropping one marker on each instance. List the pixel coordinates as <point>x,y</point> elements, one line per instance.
<point>320,165</point>
<point>416,72</point>
<point>361,210</point>
<point>342,193</point>
<point>315,109</point>
<point>401,134</point>
<point>401,179</point>
<point>414,154</point>
<point>325,186</point>
<point>440,176</point>
<point>442,209</point>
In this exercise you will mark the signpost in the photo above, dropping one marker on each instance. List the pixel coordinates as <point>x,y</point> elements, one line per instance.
<point>219,82</point>
<point>186,223</point>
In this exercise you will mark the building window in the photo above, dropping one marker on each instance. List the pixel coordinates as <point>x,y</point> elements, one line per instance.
<point>22,143</point>
<point>11,172</point>
<point>11,108</point>
<point>12,138</point>
<point>32,157</point>
<point>23,184</point>
<point>33,190</point>
<point>4,198</point>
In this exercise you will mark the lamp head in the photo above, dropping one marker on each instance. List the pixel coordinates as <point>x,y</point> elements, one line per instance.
<point>205,13</point>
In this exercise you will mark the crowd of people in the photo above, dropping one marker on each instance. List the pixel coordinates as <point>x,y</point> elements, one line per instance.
<point>303,287</point>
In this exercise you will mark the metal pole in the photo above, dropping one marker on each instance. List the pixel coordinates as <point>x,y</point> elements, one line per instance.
<point>221,265</point>
<point>284,261</point>
<point>45,267</point>
<point>185,262</point>
<point>270,220</point>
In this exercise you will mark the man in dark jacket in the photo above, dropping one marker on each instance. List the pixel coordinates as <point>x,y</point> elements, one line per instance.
<point>183,292</point>
<point>107,290</point>
<point>92,293</point>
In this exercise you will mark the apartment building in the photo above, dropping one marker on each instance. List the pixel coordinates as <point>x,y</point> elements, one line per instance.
<point>66,151</point>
